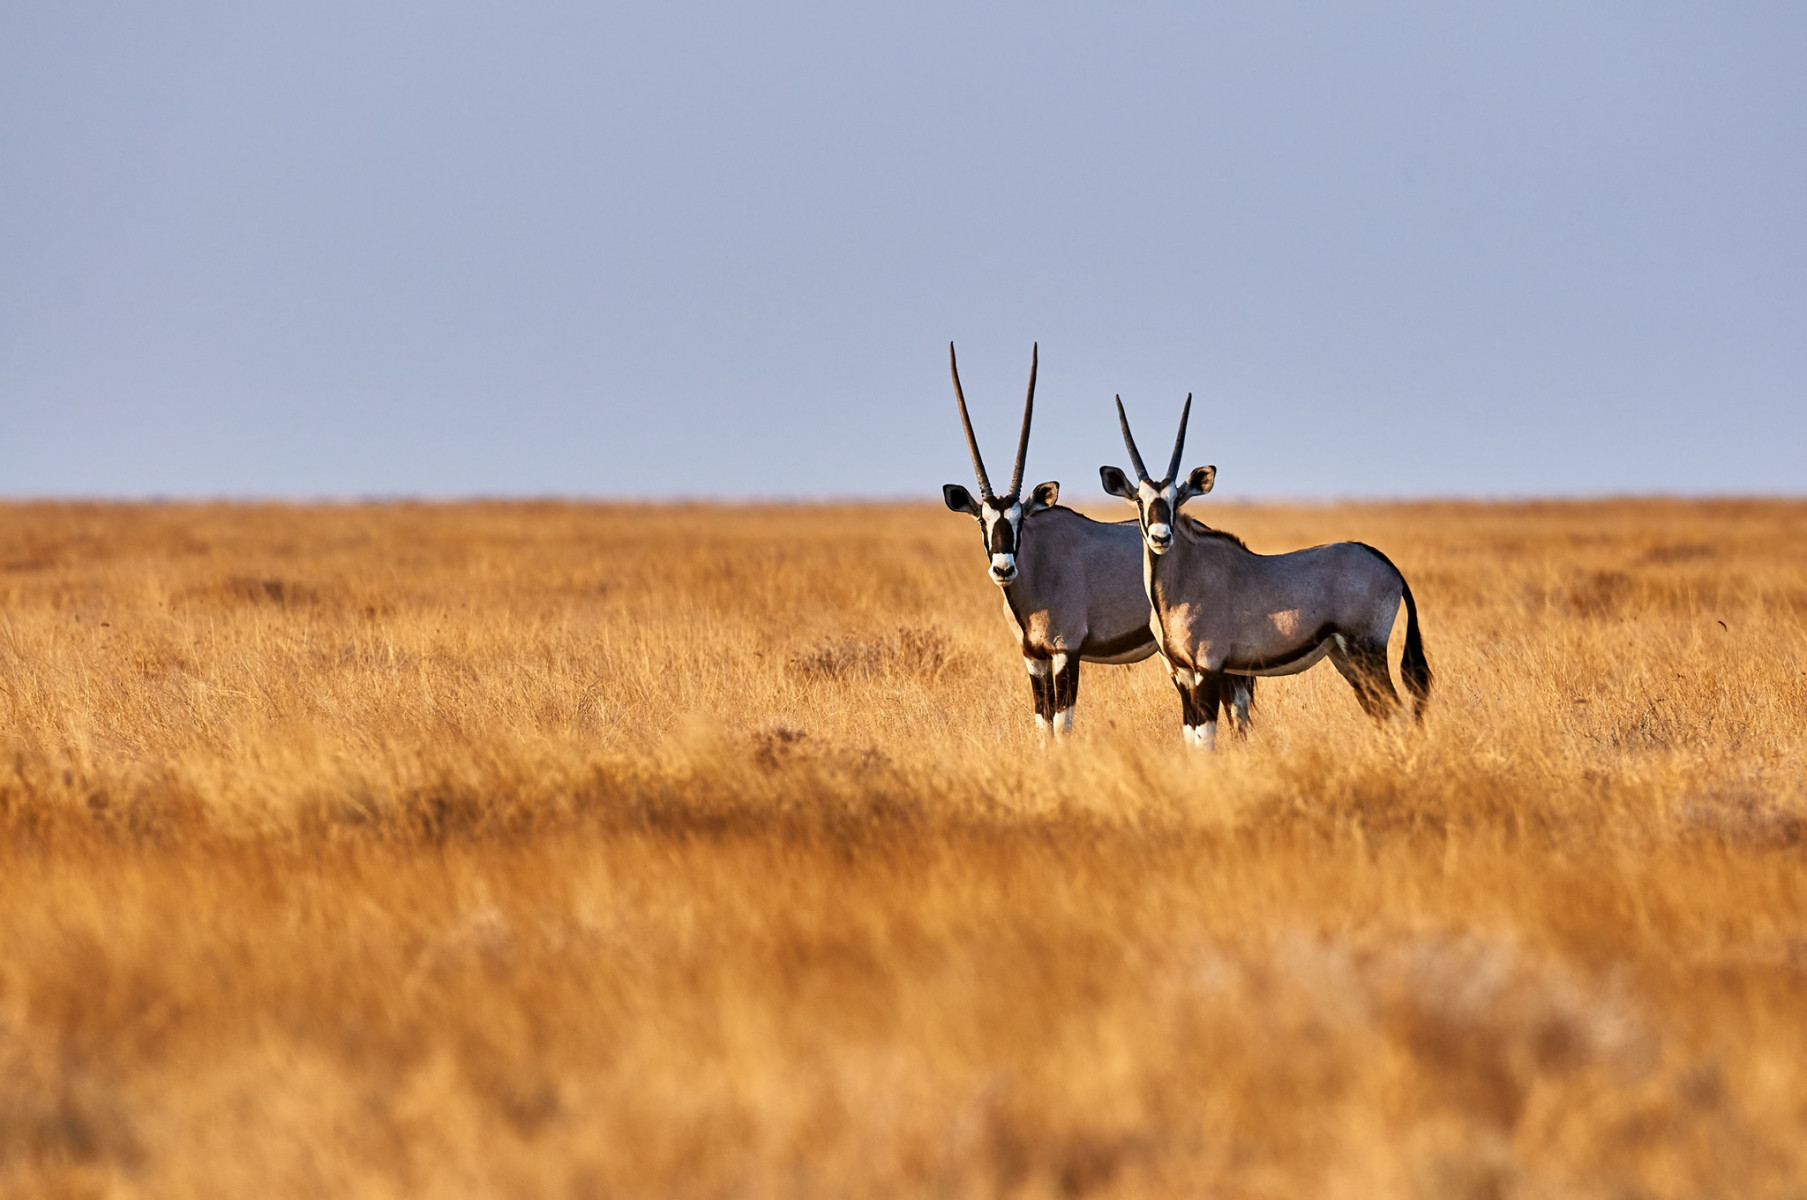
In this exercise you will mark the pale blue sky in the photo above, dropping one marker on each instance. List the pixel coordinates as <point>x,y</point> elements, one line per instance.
<point>452,249</point>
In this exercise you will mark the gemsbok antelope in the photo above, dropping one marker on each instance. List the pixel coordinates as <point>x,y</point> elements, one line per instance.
<point>1220,610</point>
<point>1072,586</point>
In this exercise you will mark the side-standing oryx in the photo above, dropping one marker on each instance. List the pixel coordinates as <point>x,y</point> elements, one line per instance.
<point>1218,607</point>
<point>1072,586</point>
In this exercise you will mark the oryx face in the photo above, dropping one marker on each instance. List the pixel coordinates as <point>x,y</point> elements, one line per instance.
<point>1000,518</point>
<point>1003,533</point>
<point>1155,505</point>
<point>1000,521</point>
<point>1157,500</point>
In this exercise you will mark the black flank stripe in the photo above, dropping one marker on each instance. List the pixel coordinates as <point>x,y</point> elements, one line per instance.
<point>1291,656</point>
<point>1123,643</point>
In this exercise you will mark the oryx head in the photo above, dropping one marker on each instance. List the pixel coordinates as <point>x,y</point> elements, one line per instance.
<point>1157,501</point>
<point>1000,517</point>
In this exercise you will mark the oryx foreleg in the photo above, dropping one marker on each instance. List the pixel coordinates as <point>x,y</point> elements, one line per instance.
<point>1207,695</point>
<point>1065,678</point>
<point>1189,718</point>
<point>1041,688</point>
<point>1201,693</point>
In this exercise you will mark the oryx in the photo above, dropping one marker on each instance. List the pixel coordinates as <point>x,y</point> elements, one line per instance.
<point>1072,585</point>
<point>1219,607</point>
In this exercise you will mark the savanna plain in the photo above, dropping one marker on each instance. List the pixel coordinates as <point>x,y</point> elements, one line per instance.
<point>552,849</point>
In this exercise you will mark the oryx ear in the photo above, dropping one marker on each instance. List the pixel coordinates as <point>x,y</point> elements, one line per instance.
<point>1044,496</point>
<point>959,499</point>
<point>1117,483</point>
<point>1202,480</point>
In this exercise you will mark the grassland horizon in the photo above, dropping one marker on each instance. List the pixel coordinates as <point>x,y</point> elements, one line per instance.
<point>584,849</point>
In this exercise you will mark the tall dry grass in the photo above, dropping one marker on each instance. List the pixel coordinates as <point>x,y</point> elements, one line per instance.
<point>549,849</point>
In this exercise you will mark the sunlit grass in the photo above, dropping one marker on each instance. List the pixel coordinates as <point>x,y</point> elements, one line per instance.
<point>557,849</point>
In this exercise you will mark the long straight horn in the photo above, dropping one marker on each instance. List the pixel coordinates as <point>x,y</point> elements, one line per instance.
<point>1179,443</point>
<point>972,443</point>
<point>1135,456</point>
<point>1022,443</point>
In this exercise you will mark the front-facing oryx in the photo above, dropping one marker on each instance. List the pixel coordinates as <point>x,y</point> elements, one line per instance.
<point>1072,586</point>
<point>1218,607</point>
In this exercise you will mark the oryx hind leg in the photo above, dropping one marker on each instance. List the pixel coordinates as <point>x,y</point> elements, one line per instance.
<point>1364,664</point>
<point>1238,699</point>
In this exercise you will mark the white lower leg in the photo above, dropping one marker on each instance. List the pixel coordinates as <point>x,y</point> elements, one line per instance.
<point>1206,735</point>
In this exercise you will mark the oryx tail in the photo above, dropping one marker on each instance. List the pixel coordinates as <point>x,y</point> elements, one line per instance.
<point>1414,668</point>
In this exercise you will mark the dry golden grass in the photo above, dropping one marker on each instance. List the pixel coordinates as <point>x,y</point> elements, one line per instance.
<point>549,849</point>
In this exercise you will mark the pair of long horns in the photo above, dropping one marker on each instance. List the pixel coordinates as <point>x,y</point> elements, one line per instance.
<point>1179,444</point>
<point>972,443</point>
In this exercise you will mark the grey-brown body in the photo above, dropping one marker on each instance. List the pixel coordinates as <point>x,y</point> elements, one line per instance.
<point>1076,597</point>
<point>1220,610</point>
<point>1078,589</point>
<point>1218,606</point>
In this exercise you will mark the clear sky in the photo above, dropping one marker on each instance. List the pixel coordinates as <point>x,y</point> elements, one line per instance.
<point>667,249</point>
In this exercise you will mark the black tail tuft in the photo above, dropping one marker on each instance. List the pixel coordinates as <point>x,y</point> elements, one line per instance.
<point>1414,668</point>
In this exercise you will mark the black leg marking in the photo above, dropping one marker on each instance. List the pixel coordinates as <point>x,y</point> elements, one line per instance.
<point>1200,701</point>
<point>1041,689</point>
<point>1188,708</point>
<point>1066,685</point>
<point>1208,696</point>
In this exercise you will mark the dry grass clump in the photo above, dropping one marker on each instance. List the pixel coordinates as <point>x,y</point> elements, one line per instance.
<point>553,849</point>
